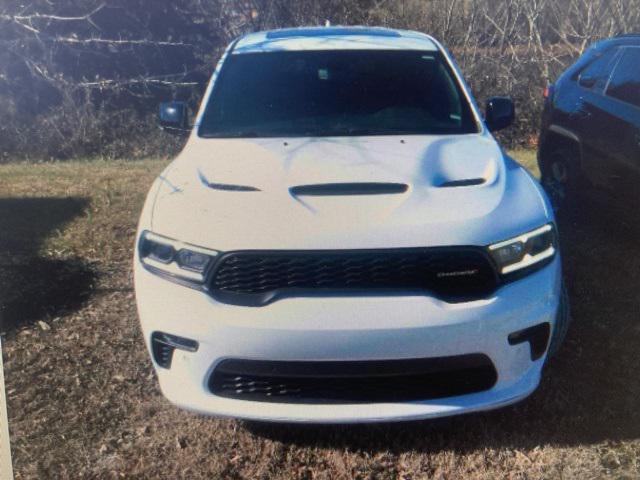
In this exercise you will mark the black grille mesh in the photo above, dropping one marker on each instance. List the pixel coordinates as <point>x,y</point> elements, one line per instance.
<point>464,272</point>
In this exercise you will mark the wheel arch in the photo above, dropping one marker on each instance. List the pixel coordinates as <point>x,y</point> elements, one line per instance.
<point>559,138</point>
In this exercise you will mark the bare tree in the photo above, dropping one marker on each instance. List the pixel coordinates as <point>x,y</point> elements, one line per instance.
<point>83,77</point>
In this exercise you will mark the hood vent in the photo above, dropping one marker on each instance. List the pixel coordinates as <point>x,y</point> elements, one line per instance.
<point>467,182</point>
<point>338,189</point>
<point>226,186</point>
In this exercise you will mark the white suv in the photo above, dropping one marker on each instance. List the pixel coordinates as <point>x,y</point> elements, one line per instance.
<point>343,240</point>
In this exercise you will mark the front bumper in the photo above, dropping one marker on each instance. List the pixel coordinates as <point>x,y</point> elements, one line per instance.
<point>347,329</point>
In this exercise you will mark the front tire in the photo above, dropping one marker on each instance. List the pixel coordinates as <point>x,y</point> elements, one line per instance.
<point>561,179</point>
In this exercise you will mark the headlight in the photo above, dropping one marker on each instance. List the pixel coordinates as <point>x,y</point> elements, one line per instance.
<point>527,250</point>
<point>174,259</point>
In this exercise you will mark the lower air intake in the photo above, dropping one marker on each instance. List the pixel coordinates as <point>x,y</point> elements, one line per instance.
<point>353,382</point>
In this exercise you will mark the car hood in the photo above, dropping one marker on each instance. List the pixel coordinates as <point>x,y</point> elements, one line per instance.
<point>345,192</point>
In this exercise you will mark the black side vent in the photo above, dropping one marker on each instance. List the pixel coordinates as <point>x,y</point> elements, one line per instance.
<point>162,351</point>
<point>331,189</point>
<point>164,344</point>
<point>537,336</point>
<point>467,182</point>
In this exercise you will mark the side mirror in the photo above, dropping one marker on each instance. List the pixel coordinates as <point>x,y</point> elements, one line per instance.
<point>500,113</point>
<point>587,81</point>
<point>173,117</point>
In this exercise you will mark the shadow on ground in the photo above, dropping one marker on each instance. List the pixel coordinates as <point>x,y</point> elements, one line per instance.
<point>589,392</point>
<point>33,287</point>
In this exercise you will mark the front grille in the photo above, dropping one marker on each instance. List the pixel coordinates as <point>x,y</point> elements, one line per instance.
<point>353,382</point>
<point>257,277</point>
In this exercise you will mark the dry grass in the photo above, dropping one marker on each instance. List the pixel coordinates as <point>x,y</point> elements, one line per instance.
<point>84,402</point>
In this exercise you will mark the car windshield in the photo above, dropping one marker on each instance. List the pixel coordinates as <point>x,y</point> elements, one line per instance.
<point>336,93</point>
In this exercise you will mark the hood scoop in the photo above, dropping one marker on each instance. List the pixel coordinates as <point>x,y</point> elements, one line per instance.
<point>467,182</point>
<point>225,186</point>
<point>346,189</point>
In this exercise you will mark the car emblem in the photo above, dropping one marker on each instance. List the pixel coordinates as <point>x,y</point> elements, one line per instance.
<point>458,273</point>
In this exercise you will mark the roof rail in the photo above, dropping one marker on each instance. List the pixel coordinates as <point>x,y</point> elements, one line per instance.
<point>331,31</point>
<point>625,35</point>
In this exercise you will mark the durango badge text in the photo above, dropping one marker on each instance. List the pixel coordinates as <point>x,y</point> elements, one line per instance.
<point>463,273</point>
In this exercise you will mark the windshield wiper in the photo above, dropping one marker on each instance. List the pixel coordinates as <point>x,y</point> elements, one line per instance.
<point>320,132</point>
<point>357,132</point>
<point>247,134</point>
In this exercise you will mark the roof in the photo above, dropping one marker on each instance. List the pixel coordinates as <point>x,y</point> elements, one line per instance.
<point>628,39</point>
<point>619,40</point>
<point>334,38</point>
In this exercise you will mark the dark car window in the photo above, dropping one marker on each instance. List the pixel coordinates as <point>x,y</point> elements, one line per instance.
<point>625,81</point>
<point>596,74</point>
<point>341,93</point>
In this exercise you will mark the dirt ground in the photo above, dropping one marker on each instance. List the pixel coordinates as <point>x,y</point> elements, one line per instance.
<point>84,401</point>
